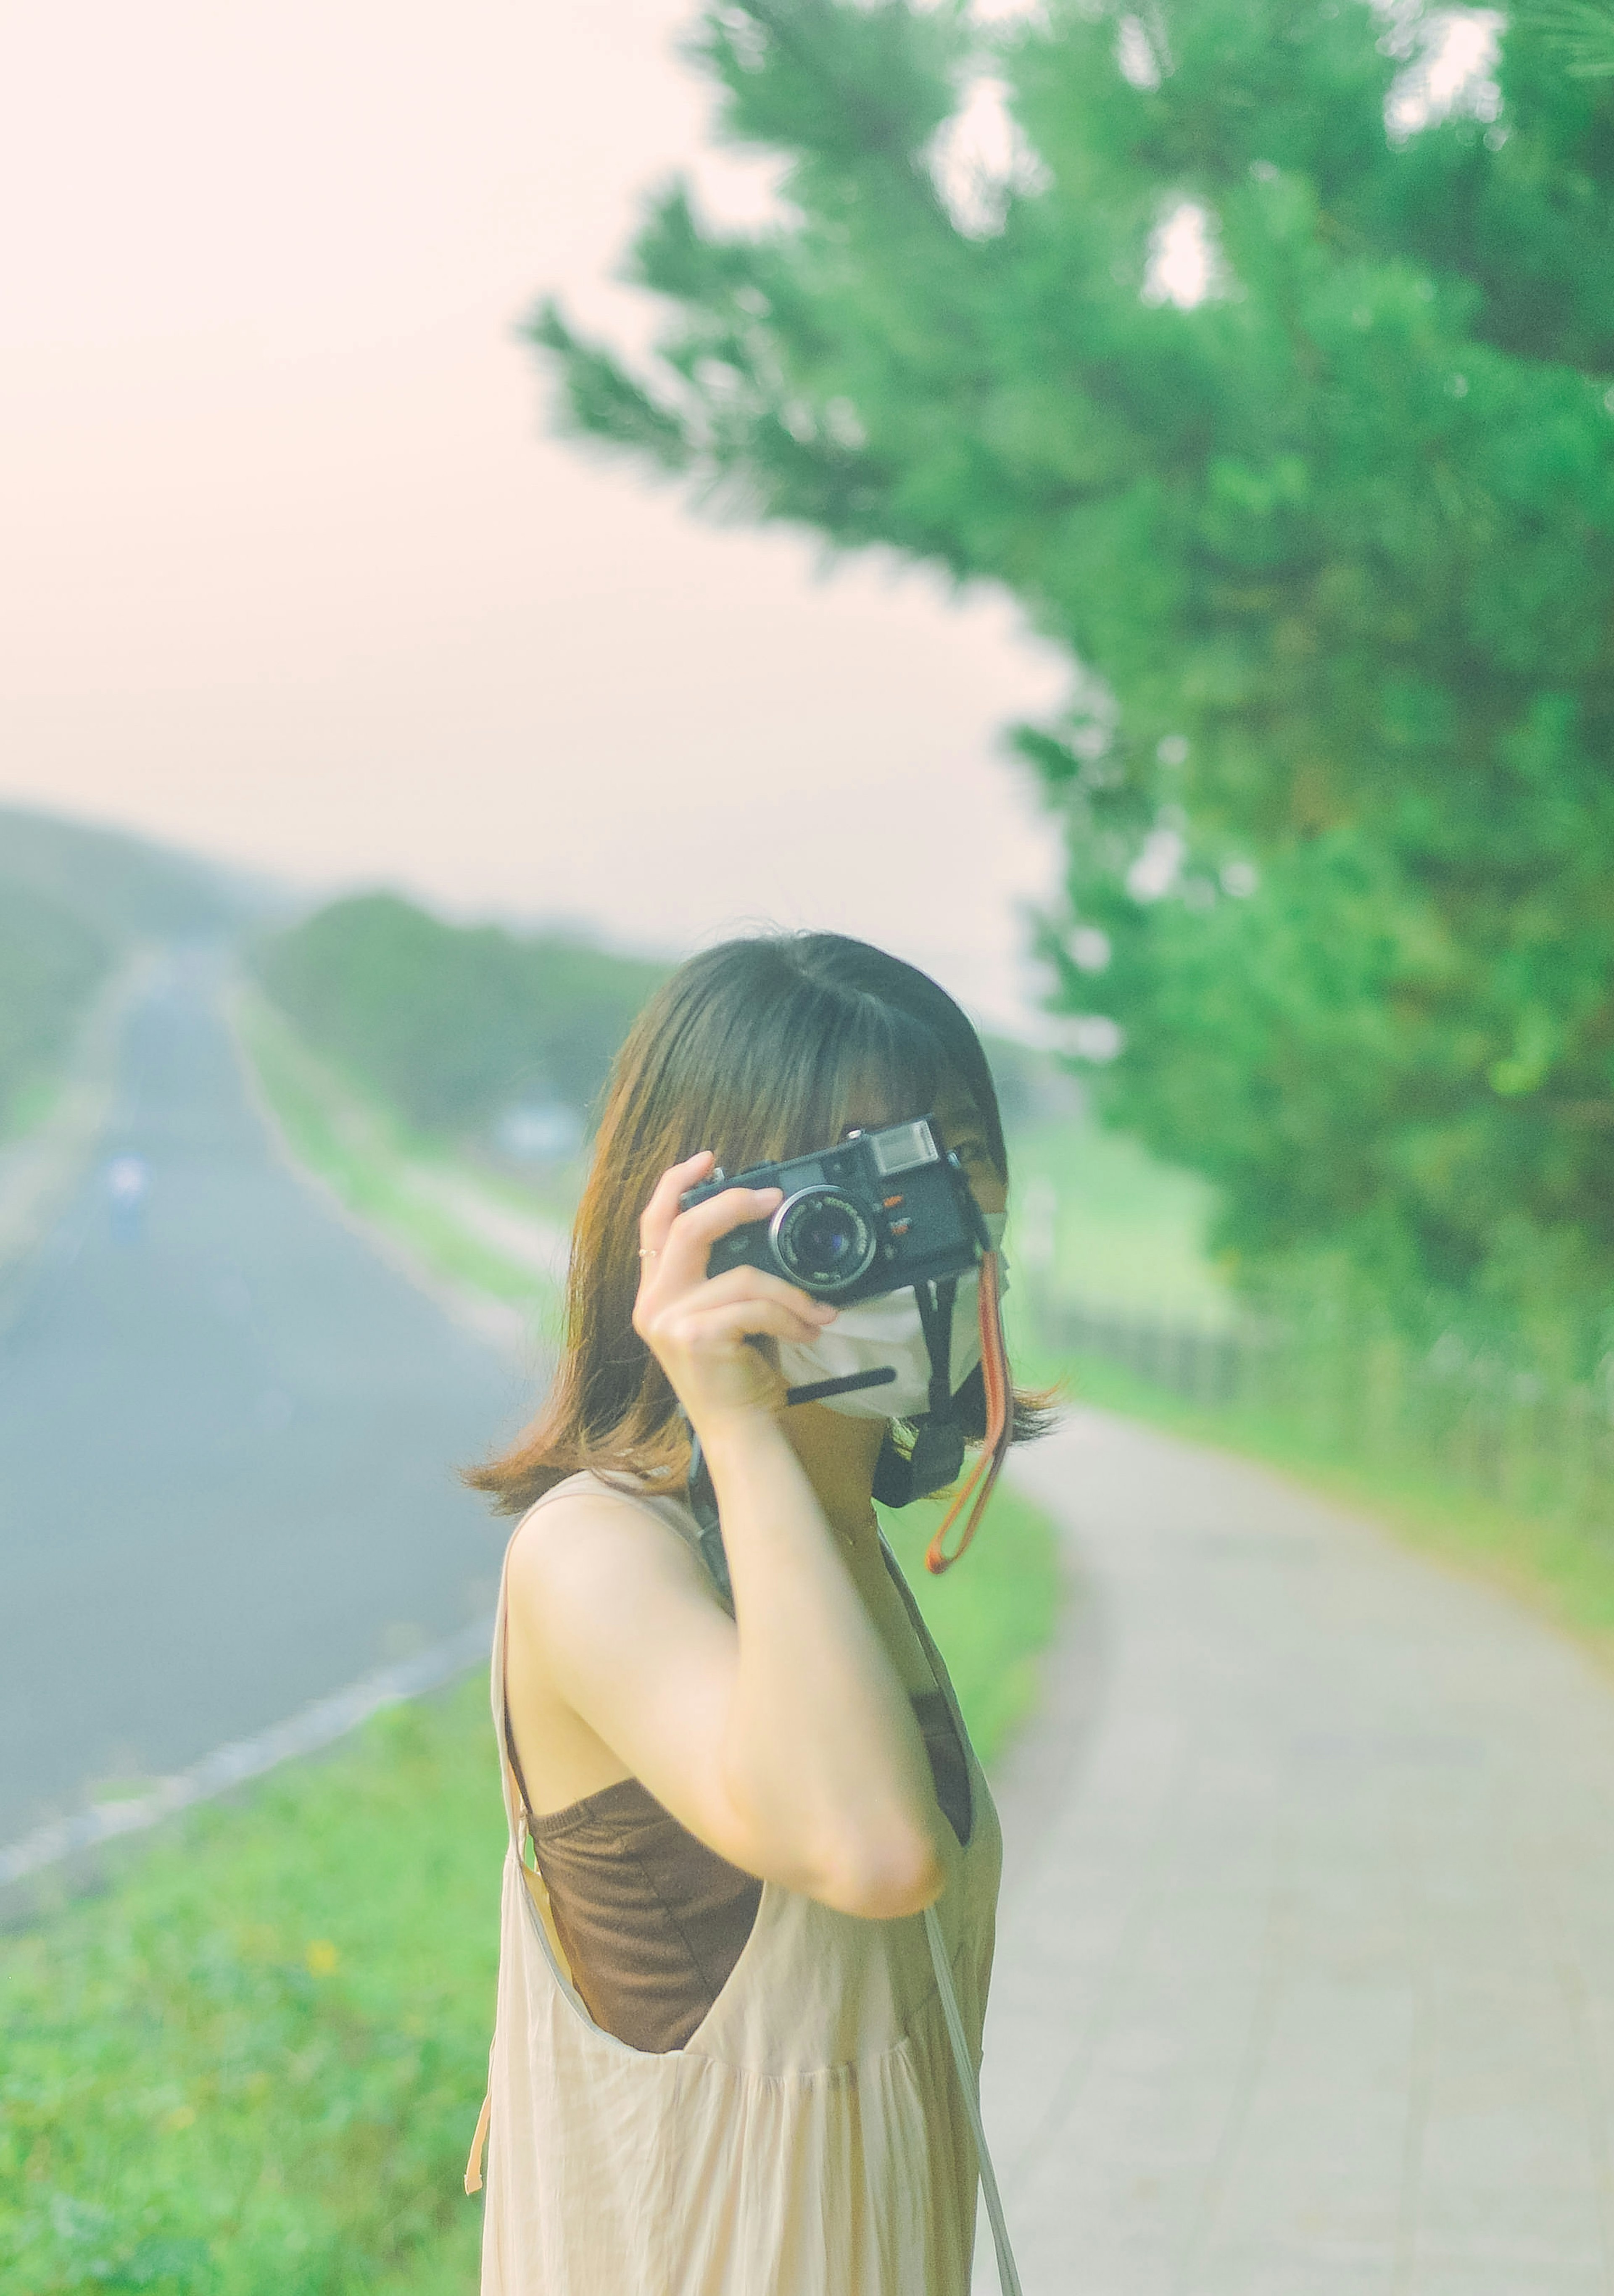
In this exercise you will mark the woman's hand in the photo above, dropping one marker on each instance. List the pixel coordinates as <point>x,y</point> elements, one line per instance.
<point>698,1327</point>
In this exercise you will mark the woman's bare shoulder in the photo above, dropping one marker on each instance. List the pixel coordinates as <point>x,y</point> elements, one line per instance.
<point>590,1545</point>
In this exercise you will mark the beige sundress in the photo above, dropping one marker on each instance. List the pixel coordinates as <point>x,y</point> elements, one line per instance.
<point>811,2138</point>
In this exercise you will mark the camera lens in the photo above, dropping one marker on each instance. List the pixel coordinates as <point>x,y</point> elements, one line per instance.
<point>823,1240</point>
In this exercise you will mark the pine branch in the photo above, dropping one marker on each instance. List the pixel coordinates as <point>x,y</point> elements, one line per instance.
<point>602,399</point>
<point>1581,30</point>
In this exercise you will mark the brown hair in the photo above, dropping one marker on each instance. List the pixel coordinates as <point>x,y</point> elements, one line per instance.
<point>757,1049</point>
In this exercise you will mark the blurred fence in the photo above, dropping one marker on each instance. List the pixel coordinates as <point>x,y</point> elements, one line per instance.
<point>1366,1394</point>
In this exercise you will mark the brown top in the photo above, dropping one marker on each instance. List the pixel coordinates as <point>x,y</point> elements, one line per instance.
<point>651,1920</point>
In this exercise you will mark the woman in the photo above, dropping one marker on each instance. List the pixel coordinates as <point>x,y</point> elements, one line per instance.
<point>721,2064</point>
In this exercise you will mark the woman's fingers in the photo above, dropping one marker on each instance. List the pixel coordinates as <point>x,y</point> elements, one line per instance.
<point>662,1218</point>
<point>691,1234</point>
<point>662,1210</point>
<point>756,1283</point>
<point>696,1328</point>
<point>669,1308</point>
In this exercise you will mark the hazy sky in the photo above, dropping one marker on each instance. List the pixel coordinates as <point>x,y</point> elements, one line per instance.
<point>294,575</point>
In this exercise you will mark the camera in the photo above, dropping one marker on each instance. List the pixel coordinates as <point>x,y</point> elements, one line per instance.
<point>880,1211</point>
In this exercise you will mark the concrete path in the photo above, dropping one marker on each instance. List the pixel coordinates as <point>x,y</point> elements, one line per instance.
<point>1305,1974</point>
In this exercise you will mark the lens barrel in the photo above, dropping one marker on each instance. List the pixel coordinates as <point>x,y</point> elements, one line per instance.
<point>823,1239</point>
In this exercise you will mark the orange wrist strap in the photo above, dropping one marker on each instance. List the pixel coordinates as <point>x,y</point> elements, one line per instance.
<point>1000,1421</point>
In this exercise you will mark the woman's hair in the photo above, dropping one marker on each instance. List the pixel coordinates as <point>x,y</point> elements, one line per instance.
<point>759,1049</point>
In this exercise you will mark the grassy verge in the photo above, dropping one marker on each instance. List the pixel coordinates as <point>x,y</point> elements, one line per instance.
<point>993,1615</point>
<point>1101,1217</point>
<point>1554,1566</point>
<point>388,1177</point>
<point>31,1107</point>
<point>252,2067</point>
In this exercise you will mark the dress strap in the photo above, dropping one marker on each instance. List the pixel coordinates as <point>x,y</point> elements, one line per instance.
<point>478,2146</point>
<point>1009,2277</point>
<point>670,1511</point>
<point>933,1658</point>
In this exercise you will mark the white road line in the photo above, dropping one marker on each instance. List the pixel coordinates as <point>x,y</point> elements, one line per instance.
<point>319,1725</point>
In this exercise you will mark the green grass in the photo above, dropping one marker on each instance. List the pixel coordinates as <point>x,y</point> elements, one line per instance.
<point>51,965</point>
<point>252,2067</point>
<point>368,1158</point>
<point>30,1107</point>
<point>992,1614</point>
<point>1125,1229</point>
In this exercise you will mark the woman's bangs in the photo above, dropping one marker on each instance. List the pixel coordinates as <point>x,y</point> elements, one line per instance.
<point>832,1061</point>
<point>886,1065</point>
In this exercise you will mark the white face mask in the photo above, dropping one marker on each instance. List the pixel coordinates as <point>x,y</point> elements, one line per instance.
<point>874,1333</point>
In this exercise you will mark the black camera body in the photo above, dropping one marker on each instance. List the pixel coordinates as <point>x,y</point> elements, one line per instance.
<point>881,1212</point>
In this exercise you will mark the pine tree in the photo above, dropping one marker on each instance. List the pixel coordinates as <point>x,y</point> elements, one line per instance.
<point>1332,550</point>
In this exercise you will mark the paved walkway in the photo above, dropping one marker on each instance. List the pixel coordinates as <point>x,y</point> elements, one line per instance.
<point>1305,1974</point>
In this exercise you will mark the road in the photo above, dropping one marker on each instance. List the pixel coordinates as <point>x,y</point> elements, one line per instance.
<point>1305,1972</point>
<point>227,1440</point>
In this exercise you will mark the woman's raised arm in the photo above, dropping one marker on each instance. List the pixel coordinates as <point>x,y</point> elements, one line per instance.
<point>784,1738</point>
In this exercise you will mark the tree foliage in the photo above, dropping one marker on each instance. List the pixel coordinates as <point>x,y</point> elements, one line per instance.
<point>1582,31</point>
<point>453,1024</point>
<point>1332,550</point>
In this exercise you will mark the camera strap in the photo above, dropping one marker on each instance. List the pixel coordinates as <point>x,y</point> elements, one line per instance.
<point>935,1302</point>
<point>999,1427</point>
<point>938,1440</point>
<point>816,1389</point>
<point>1009,2277</point>
<point>703,1506</point>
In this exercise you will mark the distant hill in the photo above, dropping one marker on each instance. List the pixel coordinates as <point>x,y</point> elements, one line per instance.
<point>457,1026</point>
<point>51,963</point>
<point>72,897</point>
<point>454,1025</point>
<point>119,887</point>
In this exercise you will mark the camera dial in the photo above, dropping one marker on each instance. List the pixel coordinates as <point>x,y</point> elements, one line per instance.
<point>822,1239</point>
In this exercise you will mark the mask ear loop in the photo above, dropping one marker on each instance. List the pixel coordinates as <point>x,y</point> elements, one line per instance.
<point>1000,1421</point>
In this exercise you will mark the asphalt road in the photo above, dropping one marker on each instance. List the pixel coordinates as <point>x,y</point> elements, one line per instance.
<point>227,1440</point>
